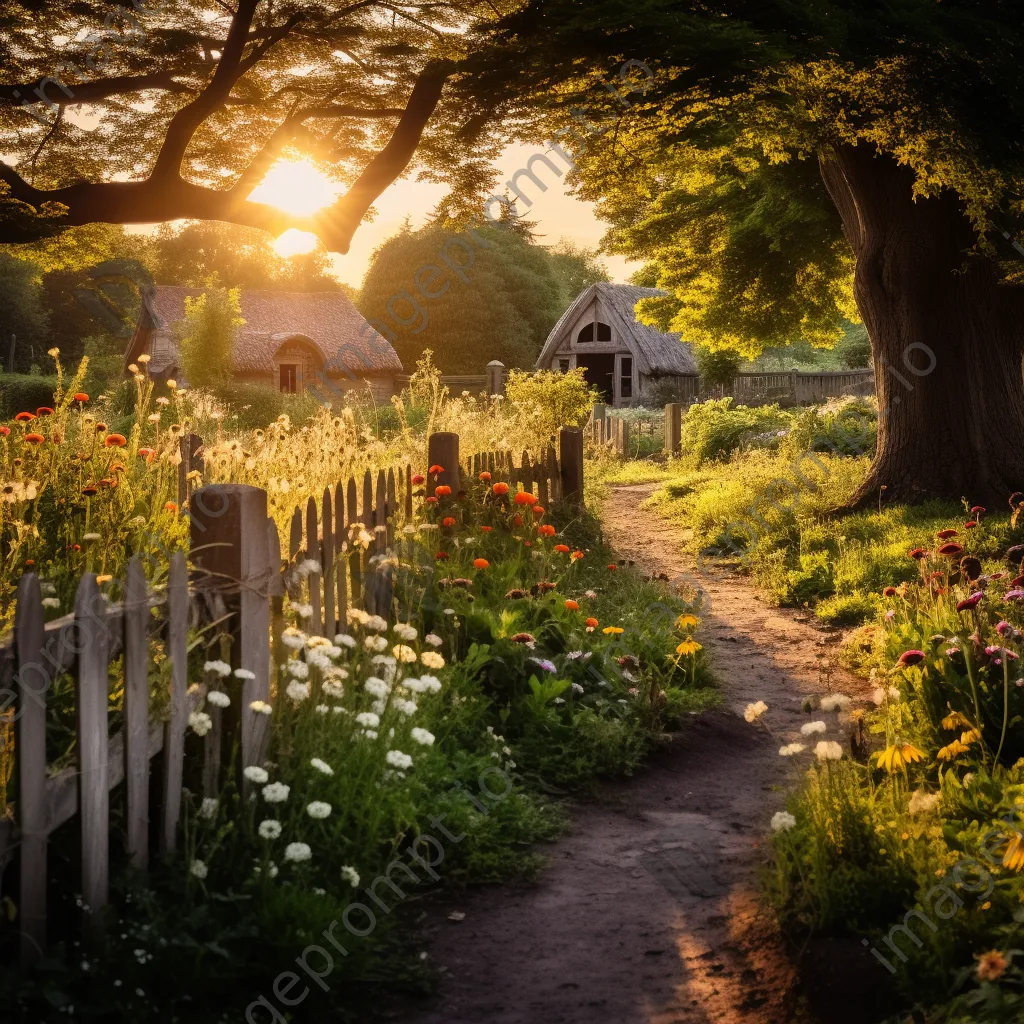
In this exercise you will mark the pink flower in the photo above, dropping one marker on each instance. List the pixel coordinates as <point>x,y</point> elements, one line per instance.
<point>970,602</point>
<point>908,658</point>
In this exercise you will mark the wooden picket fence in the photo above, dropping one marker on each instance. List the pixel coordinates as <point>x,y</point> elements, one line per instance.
<point>237,587</point>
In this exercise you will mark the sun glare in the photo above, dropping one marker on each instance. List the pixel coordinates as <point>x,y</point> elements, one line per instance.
<point>296,187</point>
<point>295,243</point>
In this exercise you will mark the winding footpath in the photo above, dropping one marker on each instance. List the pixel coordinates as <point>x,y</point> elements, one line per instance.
<point>649,912</point>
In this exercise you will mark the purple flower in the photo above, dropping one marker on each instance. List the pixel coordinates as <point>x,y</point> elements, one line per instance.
<point>1014,595</point>
<point>548,666</point>
<point>970,602</point>
<point>908,658</point>
<point>890,615</point>
<point>1004,628</point>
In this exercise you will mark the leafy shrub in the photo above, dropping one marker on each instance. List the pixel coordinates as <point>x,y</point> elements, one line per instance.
<point>24,392</point>
<point>206,336</point>
<point>559,399</point>
<point>848,426</point>
<point>715,430</point>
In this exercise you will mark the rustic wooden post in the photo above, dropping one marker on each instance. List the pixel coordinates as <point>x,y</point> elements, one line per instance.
<point>553,474</point>
<point>673,429</point>
<point>231,522</point>
<point>188,447</point>
<point>174,731</point>
<point>315,621</point>
<point>354,559</point>
<point>495,377</point>
<point>275,587</point>
<point>340,549</point>
<point>570,449</point>
<point>33,681</point>
<point>391,512</point>
<point>443,450</point>
<point>408,493</point>
<point>135,620</point>
<point>91,685</point>
<point>623,438</point>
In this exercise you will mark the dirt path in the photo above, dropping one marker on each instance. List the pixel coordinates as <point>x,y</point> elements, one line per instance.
<point>648,912</point>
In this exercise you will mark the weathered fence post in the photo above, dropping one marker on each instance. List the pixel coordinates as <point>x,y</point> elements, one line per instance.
<point>570,450</point>
<point>673,429</point>
<point>229,548</point>
<point>174,730</point>
<point>495,377</point>
<point>443,450</point>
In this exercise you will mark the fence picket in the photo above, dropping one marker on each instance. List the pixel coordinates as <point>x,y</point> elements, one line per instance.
<point>91,687</point>
<point>30,749</point>
<point>135,617</point>
<point>408,493</point>
<point>354,560</point>
<point>327,551</point>
<point>174,731</point>
<point>380,514</point>
<point>260,569</point>
<point>295,536</point>
<point>316,625</point>
<point>391,515</point>
<point>340,548</point>
<point>275,588</point>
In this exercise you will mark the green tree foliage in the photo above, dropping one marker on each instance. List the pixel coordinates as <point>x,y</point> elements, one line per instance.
<point>22,314</point>
<point>576,267</point>
<point>716,366</point>
<point>497,297</point>
<point>561,399</point>
<point>191,254</point>
<point>206,336</point>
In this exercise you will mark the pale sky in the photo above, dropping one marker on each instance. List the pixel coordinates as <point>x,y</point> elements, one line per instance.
<point>558,215</point>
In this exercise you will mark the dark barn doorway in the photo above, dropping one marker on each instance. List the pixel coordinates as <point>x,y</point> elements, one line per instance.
<point>598,371</point>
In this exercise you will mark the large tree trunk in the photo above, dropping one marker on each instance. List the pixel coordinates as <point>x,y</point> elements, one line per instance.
<point>947,338</point>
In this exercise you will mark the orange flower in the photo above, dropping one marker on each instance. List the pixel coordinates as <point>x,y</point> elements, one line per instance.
<point>431,500</point>
<point>485,476</point>
<point>81,396</point>
<point>30,561</point>
<point>144,453</point>
<point>44,410</point>
<point>100,427</point>
<point>481,563</point>
<point>538,510</point>
<point>171,506</point>
<point>500,488</point>
<point>525,498</point>
<point>448,521</point>
<point>591,623</point>
<point>546,530</point>
<point>117,467</point>
<point>109,481</point>
<point>562,548</point>
<point>89,489</point>
<point>572,606</point>
<point>6,431</point>
<point>486,529</point>
<point>442,490</point>
<point>25,417</point>
<point>35,438</point>
<point>114,440</point>
<point>436,469</point>
<point>612,567</point>
<point>576,555</point>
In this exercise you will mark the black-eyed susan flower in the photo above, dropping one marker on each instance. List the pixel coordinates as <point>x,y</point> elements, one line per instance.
<point>1013,858</point>
<point>952,750</point>
<point>897,756</point>
<point>688,647</point>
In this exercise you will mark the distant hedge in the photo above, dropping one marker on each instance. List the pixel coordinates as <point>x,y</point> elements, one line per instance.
<point>24,392</point>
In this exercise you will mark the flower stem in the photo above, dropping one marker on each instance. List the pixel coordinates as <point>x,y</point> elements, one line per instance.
<point>1006,705</point>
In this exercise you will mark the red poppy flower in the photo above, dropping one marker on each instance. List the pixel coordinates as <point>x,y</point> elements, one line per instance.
<point>100,427</point>
<point>485,476</point>
<point>500,488</point>
<point>115,440</point>
<point>448,521</point>
<point>945,534</point>
<point>951,550</point>
<point>528,543</point>
<point>6,431</point>
<point>612,567</point>
<point>170,506</point>
<point>912,658</point>
<point>89,489</point>
<point>592,623</point>
<point>30,561</point>
<point>518,520</point>
<point>431,500</point>
<point>435,469</point>
<point>442,556</point>
<point>917,553</point>
<point>970,524</point>
<point>442,490</point>
<point>44,410</point>
<point>525,498</point>
<point>109,481</point>
<point>81,396</point>
<point>35,438</point>
<point>562,548</point>
<point>572,606</point>
<point>25,417</point>
<point>538,510</point>
<point>481,563</point>
<point>546,530</point>
<point>486,529</point>
<point>144,453</point>
<point>419,478</point>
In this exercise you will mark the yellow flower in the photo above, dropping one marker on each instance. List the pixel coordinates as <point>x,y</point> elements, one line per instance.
<point>971,736</point>
<point>991,965</point>
<point>104,578</point>
<point>609,630</point>
<point>954,749</point>
<point>687,621</point>
<point>1014,856</point>
<point>688,647</point>
<point>898,756</point>
<point>954,720</point>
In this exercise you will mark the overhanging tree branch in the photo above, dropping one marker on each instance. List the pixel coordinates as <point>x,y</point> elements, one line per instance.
<point>49,89</point>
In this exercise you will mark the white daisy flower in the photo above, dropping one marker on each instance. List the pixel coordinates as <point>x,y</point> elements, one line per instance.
<point>261,707</point>
<point>431,659</point>
<point>422,736</point>
<point>270,829</point>
<point>276,793</point>
<point>350,875</point>
<point>321,766</point>
<point>208,809</point>
<point>782,821</point>
<point>297,691</point>
<point>296,853</point>
<point>218,698</point>
<point>318,809</point>
<point>828,750</point>
<point>200,722</point>
<point>220,668</point>
<point>244,673</point>
<point>810,728</point>
<point>397,759</point>
<point>199,869</point>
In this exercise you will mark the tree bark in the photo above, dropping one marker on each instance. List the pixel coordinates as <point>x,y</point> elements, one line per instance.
<point>947,338</point>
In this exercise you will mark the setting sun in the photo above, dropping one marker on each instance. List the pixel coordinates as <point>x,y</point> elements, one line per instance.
<point>297,187</point>
<point>295,243</point>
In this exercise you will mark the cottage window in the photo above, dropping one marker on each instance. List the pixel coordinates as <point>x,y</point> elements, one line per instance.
<point>595,332</point>
<point>563,364</point>
<point>626,377</point>
<point>288,377</point>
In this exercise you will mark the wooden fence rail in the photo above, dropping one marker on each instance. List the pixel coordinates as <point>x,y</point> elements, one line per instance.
<point>237,588</point>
